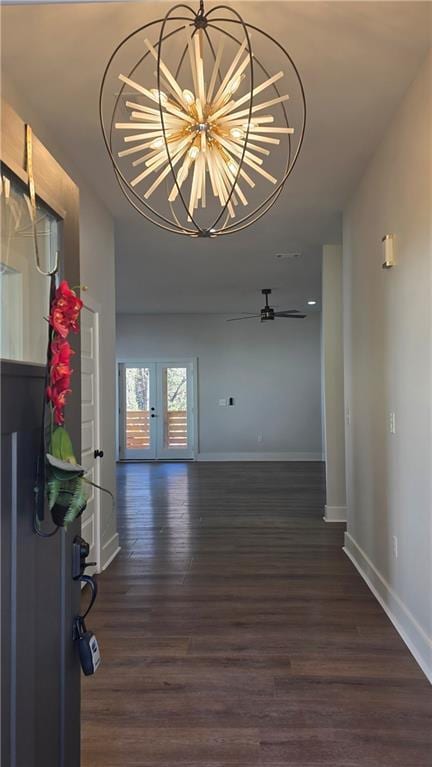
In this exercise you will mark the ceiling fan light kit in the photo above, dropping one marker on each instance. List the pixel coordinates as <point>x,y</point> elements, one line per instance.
<point>202,134</point>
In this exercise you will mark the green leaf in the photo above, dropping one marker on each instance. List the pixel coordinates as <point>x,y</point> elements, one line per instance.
<point>65,495</point>
<point>53,489</point>
<point>65,476</point>
<point>61,445</point>
<point>77,503</point>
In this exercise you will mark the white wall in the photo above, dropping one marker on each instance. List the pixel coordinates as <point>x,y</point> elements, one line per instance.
<point>333,384</point>
<point>387,329</point>
<point>98,274</point>
<point>271,369</point>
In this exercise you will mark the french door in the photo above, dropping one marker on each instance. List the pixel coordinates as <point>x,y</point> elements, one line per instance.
<point>157,413</point>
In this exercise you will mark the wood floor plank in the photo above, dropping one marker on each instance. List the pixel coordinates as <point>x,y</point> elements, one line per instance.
<point>235,632</point>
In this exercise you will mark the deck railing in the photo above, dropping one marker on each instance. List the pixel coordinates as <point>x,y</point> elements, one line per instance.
<point>138,429</point>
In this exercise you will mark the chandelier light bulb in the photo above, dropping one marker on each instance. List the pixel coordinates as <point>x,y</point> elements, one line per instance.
<point>157,143</point>
<point>194,152</point>
<point>159,95</point>
<point>236,133</point>
<point>235,84</point>
<point>188,97</point>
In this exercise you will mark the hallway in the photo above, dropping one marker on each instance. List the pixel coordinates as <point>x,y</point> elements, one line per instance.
<point>234,631</point>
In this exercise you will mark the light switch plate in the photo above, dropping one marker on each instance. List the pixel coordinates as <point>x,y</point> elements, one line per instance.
<point>222,402</point>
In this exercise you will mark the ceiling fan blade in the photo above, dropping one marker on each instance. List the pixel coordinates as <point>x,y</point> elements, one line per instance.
<point>290,316</point>
<point>289,311</point>
<point>251,316</point>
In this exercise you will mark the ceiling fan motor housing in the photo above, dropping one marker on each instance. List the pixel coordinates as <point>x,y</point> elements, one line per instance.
<point>267,314</point>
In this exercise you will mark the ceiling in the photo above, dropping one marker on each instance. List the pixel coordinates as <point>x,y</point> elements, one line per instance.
<point>356,60</point>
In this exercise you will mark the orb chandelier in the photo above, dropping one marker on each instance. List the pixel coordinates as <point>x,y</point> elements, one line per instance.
<point>201,133</point>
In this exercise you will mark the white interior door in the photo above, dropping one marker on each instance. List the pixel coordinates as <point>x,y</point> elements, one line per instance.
<point>90,448</point>
<point>157,410</point>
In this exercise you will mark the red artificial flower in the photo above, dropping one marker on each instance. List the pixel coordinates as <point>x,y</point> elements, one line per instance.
<point>62,383</point>
<point>58,399</point>
<point>62,349</point>
<point>60,370</point>
<point>59,373</point>
<point>64,315</point>
<point>70,304</point>
<point>59,322</point>
<point>61,353</point>
<point>65,310</point>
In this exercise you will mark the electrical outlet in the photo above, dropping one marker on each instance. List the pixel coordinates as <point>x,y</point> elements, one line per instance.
<point>392,423</point>
<point>395,547</point>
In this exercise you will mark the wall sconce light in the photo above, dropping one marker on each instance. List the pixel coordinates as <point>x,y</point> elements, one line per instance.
<point>388,251</point>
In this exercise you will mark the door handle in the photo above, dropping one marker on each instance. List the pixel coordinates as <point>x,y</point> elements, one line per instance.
<point>80,552</point>
<point>98,453</point>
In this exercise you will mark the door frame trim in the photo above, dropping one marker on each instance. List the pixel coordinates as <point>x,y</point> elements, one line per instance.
<point>96,308</point>
<point>194,361</point>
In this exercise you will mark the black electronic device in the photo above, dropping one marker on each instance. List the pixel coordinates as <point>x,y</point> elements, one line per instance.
<point>88,648</point>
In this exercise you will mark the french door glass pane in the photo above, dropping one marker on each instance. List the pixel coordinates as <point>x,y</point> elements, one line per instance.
<point>175,407</point>
<point>137,408</point>
<point>24,293</point>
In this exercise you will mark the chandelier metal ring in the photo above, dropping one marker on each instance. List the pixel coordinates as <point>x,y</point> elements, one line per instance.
<point>201,128</point>
<point>271,199</point>
<point>121,180</point>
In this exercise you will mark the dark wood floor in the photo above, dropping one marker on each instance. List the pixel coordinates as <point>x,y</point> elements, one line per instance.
<point>235,632</point>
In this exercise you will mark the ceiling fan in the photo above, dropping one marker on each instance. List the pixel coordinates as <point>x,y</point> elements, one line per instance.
<point>268,313</point>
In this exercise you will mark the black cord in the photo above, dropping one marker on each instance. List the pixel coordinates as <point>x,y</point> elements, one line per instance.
<point>79,621</point>
<point>90,581</point>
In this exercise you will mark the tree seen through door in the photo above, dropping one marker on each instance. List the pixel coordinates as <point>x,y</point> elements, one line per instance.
<point>175,407</point>
<point>137,408</point>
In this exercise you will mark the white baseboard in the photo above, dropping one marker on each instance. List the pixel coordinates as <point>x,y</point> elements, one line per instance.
<point>110,549</point>
<point>291,456</point>
<point>335,513</point>
<point>414,636</point>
